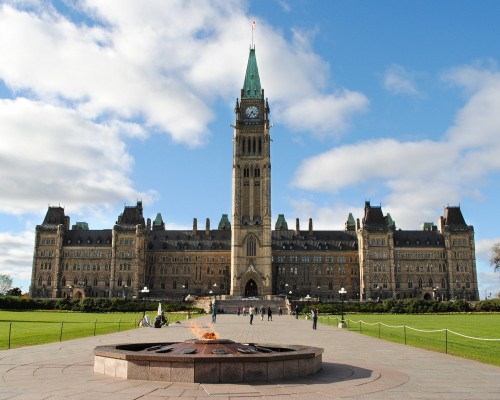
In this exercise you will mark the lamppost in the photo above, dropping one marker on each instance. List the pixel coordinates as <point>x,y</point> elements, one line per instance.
<point>342,293</point>
<point>434,291</point>
<point>144,292</point>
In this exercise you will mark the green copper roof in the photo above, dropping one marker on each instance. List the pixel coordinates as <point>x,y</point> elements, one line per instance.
<point>281,223</point>
<point>158,220</point>
<point>224,222</point>
<point>390,221</point>
<point>251,86</point>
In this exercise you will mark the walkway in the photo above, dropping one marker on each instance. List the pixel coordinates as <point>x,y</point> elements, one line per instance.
<point>354,367</point>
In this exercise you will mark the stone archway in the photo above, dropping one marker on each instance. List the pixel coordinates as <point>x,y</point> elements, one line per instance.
<point>427,296</point>
<point>251,289</point>
<point>78,294</point>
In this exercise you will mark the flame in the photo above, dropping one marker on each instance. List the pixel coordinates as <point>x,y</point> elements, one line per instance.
<point>201,332</point>
<point>209,335</point>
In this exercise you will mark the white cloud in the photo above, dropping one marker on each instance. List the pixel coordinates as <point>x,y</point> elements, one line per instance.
<point>399,80</point>
<point>16,257</point>
<point>53,155</point>
<point>425,175</point>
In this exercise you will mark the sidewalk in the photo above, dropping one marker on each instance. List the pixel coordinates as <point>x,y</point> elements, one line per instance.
<point>354,367</point>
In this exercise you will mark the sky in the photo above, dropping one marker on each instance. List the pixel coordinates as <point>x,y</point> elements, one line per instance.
<point>104,103</point>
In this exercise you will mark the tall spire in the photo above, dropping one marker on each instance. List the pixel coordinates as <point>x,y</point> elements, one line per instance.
<point>251,86</point>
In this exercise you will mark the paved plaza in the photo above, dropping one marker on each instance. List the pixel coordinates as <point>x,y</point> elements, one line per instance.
<point>354,367</point>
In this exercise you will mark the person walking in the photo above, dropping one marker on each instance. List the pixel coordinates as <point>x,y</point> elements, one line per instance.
<point>250,311</point>
<point>280,311</point>
<point>238,311</point>
<point>296,312</point>
<point>214,314</point>
<point>269,314</point>
<point>314,313</point>
<point>262,312</point>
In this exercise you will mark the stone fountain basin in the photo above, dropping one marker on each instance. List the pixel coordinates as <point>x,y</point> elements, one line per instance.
<point>213,361</point>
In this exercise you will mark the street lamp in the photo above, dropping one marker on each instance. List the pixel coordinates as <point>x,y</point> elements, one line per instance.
<point>144,292</point>
<point>342,293</point>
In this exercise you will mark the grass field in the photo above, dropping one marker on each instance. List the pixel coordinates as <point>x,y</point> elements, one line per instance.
<point>26,328</point>
<point>438,332</point>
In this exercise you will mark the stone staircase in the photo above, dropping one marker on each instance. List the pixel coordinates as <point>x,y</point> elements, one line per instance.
<point>231,306</point>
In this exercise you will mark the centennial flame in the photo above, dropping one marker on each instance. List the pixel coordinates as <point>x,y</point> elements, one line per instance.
<point>209,335</point>
<point>200,332</point>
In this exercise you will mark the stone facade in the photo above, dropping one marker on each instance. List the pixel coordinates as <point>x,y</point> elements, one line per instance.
<point>371,258</point>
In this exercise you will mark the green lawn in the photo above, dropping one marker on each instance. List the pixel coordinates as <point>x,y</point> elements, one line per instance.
<point>28,328</point>
<point>439,332</point>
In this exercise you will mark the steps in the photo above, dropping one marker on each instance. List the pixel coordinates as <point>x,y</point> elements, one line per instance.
<point>231,306</point>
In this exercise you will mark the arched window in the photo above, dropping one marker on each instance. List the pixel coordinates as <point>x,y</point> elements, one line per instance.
<point>256,172</point>
<point>385,284</point>
<point>330,285</point>
<point>49,281</point>
<point>129,281</point>
<point>119,283</point>
<point>174,284</point>
<point>63,281</point>
<point>75,281</point>
<point>443,283</point>
<point>420,283</point>
<point>410,283</point>
<point>251,247</point>
<point>95,281</point>
<point>186,285</point>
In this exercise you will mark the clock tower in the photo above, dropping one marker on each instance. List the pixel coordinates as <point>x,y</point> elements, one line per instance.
<point>251,232</point>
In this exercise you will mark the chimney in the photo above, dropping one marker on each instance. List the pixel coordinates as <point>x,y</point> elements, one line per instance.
<point>148,224</point>
<point>207,229</point>
<point>297,227</point>
<point>195,227</point>
<point>310,226</point>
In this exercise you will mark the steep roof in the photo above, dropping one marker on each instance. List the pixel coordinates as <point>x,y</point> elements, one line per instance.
<point>453,218</point>
<point>54,216</point>
<point>251,86</point>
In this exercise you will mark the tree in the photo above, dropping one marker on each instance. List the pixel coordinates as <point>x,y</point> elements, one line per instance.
<point>495,256</point>
<point>14,292</point>
<point>5,283</point>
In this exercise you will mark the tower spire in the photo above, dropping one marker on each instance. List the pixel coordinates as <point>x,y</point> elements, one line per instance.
<point>251,86</point>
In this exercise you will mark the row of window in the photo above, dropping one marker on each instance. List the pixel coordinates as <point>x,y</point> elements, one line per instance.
<point>384,283</point>
<point>408,255</point>
<point>318,270</point>
<point>187,259</point>
<point>315,259</point>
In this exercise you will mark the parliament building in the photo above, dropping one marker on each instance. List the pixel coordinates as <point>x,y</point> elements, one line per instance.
<point>251,254</point>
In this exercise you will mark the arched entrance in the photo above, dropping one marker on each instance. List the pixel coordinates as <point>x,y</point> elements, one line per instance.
<point>427,296</point>
<point>250,288</point>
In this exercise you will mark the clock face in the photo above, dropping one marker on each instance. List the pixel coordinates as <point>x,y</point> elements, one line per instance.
<point>252,112</point>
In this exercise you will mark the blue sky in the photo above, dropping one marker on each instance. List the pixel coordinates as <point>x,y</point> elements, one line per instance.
<point>103,103</point>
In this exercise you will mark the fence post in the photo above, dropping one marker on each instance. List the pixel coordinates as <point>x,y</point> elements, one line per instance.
<point>360,327</point>
<point>60,333</point>
<point>404,326</point>
<point>119,320</point>
<point>446,340</point>
<point>10,330</point>
<point>95,326</point>
<point>379,330</point>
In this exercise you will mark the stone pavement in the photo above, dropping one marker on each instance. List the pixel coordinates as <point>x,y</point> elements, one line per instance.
<point>355,366</point>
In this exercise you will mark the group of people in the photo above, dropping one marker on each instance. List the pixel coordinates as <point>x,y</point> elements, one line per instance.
<point>160,320</point>
<point>262,311</point>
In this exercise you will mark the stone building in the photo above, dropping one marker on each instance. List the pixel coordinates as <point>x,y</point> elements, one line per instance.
<point>371,258</point>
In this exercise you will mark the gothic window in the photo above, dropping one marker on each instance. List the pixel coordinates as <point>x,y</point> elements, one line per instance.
<point>385,284</point>
<point>398,283</point>
<point>75,281</point>
<point>431,282</point>
<point>420,283</point>
<point>251,247</point>
<point>119,283</point>
<point>243,146</point>
<point>186,285</point>
<point>330,285</point>
<point>410,283</point>
<point>246,172</point>
<point>95,281</point>
<point>106,282</point>
<point>63,281</point>
<point>458,283</point>
<point>260,146</point>
<point>443,283</point>
<point>49,281</point>
<point>174,284</point>
<point>129,281</point>
<point>256,172</point>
